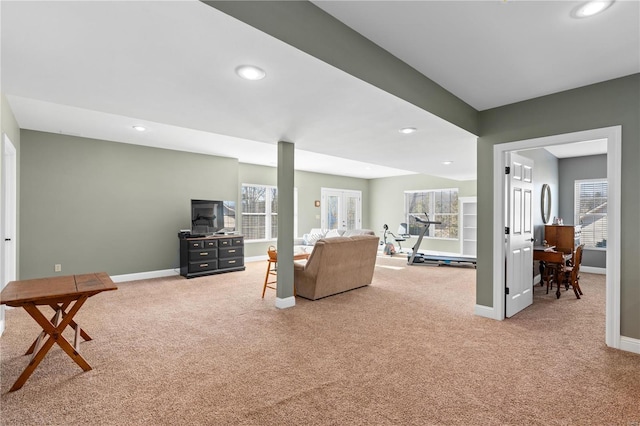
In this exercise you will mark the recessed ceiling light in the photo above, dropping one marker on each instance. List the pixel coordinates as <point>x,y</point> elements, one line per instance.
<point>250,72</point>
<point>446,163</point>
<point>592,8</point>
<point>407,130</point>
<point>140,128</point>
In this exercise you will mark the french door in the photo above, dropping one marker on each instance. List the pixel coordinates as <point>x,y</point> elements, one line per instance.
<point>341,209</point>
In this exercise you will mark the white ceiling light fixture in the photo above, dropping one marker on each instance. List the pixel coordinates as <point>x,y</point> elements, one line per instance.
<point>250,72</point>
<point>592,8</point>
<point>140,128</point>
<point>407,130</point>
<point>446,163</point>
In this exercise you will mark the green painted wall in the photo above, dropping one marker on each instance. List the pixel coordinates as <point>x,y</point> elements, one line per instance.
<point>93,205</point>
<point>615,102</point>
<point>387,201</point>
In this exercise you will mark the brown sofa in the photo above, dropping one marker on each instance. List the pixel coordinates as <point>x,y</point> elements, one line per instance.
<point>335,265</point>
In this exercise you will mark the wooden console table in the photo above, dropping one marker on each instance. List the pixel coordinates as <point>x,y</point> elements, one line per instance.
<point>65,295</point>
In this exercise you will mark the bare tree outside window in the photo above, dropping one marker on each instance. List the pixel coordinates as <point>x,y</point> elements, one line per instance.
<point>440,205</point>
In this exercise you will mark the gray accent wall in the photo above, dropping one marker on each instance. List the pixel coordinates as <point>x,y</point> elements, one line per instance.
<point>93,205</point>
<point>570,170</point>
<point>545,170</point>
<point>610,103</point>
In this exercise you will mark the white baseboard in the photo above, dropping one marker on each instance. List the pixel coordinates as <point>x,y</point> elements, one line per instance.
<point>629,344</point>
<point>287,302</point>
<point>256,258</point>
<point>144,275</point>
<point>593,270</point>
<point>486,311</point>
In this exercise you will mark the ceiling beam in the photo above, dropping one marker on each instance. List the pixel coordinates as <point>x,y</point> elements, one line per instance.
<point>305,26</point>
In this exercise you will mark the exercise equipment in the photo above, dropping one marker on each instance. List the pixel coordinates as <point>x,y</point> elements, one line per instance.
<point>434,259</point>
<point>403,235</point>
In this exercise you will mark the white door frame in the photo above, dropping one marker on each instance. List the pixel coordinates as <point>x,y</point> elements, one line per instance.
<point>8,217</point>
<point>614,162</point>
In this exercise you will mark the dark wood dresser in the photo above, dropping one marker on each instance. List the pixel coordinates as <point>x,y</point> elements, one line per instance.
<point>211,255</point>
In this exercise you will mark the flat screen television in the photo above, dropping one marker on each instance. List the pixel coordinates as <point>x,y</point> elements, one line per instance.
<point>209,217</point>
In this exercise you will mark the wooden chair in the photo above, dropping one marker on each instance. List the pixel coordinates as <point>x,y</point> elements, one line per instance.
<point>272,260</point>
<point>572,272</point>
<point>554,267</point>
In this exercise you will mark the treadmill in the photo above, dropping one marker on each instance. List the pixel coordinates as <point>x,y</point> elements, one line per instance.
<point>416,257</point>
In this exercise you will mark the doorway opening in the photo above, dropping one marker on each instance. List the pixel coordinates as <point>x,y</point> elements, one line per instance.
<point>613,135</point>
<point>8,215</point>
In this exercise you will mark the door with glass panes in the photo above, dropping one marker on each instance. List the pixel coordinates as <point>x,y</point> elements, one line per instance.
<point>341,209</point>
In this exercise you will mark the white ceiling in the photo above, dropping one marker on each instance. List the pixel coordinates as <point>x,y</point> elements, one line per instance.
<point>95,69</point>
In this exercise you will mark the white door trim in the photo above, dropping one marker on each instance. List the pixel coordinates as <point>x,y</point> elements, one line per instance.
<point>614,162</point>
<point>8,216</point>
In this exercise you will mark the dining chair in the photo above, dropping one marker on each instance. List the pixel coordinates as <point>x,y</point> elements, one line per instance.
<point>572,272</point>
<point>553,269</point>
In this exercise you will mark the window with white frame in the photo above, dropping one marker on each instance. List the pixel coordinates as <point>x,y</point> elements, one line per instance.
<point>591,197</point>
<point>260,212</point>
<point>440,205</point>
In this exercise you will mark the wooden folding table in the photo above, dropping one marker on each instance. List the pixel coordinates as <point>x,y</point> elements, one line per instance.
<point>65,295</point>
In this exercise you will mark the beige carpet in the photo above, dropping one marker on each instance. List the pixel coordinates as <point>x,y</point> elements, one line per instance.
<point>406,350</point>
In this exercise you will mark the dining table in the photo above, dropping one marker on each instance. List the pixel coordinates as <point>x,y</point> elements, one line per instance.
<point>65,295</point>
<point>552,264</point>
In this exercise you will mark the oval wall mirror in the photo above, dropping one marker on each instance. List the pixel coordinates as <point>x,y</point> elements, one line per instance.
<point>545,203</point>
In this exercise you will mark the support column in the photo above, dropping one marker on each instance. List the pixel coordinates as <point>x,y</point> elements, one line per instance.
<point>284,289</point>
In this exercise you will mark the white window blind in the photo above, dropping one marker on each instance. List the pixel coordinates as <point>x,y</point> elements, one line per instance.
<point>591,196</point>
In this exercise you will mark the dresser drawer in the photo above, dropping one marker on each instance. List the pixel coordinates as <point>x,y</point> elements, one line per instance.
<point>237,241</point>
<point>210,244</point>
<point>230,262</point>
<point>204,254</point>
<point>225,242</point>
<point>224,252</point>
<point>204,265</point>
<point>195,244</point>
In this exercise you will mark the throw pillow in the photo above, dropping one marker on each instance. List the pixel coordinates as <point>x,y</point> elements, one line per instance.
<point>332,233</point>
<point>310,239</point>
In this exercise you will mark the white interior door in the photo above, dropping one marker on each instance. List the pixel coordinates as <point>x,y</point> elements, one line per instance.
<point>8,218</point>
<point>519,285</point>
<point>341,209</point>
